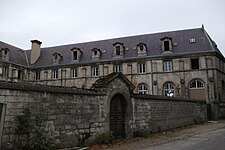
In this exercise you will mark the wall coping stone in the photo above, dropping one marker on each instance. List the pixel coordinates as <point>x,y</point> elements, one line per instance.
<point>23,86</point>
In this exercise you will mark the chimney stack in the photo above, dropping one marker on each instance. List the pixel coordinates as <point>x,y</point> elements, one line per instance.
<point>35,51</point>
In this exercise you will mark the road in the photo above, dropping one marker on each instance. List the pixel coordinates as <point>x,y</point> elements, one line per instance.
<point>211,140</point>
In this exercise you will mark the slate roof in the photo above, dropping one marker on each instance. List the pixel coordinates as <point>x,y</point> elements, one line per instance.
<point>153,42</point>
<point>16,55</point>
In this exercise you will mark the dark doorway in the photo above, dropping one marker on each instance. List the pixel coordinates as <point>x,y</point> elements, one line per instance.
<point>209,112</point>
<point>117,116</point>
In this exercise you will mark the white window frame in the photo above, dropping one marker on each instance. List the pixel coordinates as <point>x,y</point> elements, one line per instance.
<point>55,74</point>
<point>5,71</point>
<point>168,66</point>
<point>142,89</point>
<point>95,71</point>
<point>169,89</point>
<point>142,68</point>
<point>196,84</point>
<point>74,73</point>
<point>117,68</point>
<point>37,75</point>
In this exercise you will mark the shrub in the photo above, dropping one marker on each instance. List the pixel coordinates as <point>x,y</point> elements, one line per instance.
<point>105,138</point>
<point>142,133</point>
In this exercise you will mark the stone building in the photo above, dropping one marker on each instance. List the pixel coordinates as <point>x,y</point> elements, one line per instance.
<point>183,63</point>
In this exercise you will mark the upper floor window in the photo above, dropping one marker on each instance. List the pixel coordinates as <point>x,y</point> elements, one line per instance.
<point>118,49</point>
<point>20,74</point>
<point>141,68</point>
<point>166,44</point>
<point>74,73</point>
<point>55,74</point>
<point>167,66</point>
<point>195,63</point>
<point>223,84</point>
<point>142,89</point>
<point>37,75</point>
<point>169,89</point>
<point>95,71</point>
<point>117,68</point>
<point>196,84</point>
<point>76,54</point>
<point>5,71</point>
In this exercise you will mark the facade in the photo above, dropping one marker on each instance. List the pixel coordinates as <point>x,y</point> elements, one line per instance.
<point>184,63</point>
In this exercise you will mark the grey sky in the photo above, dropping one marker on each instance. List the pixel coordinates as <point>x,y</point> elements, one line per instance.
<point>59,22</point>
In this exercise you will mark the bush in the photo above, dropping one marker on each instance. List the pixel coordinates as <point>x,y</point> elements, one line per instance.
<point>105,138</point>
<point>142,133</point>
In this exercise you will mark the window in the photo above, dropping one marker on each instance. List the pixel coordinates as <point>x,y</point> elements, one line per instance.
<point>141,47</point>
<point>37,75</point>
<point>95,72</point>
<point>196,84</point>
<point>223,84</point>
<point>195,63</point>
<point>20,75</point>
<point>169,89</point>
<point>117,68</point>
<point>55,74</point>
<point>118,50</point>
<point>166,45</point>
<point>167,66</point>
<point>5,71</point>
<point>192,40</point>
<point>74,73</point>
<point>142,68</point>
<point>142,89</point>
<point>75,56</point>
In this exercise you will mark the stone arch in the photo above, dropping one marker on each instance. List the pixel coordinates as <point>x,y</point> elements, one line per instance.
<point>197,89</point>
<point>169,89</point>
<point>128,120</point>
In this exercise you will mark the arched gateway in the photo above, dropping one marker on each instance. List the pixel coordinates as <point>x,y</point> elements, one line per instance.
<point>117,116</point>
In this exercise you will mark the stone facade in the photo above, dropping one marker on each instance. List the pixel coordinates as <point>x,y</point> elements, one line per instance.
<point>72,111</point>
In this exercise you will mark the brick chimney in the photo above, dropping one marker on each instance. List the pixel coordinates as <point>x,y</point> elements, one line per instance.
<point>35,51</point>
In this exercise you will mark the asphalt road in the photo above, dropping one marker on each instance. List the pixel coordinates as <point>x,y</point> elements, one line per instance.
<point>211,140</point>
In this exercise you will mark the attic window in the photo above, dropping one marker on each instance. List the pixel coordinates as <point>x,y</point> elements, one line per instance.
<point>56,58</point>
<point>75,55</point>
<point>195,63</point>
<point>192,40</point>
<point>141,47</point>
<point>95,52</point>
<point>166,46</point>
<point>118,50</point>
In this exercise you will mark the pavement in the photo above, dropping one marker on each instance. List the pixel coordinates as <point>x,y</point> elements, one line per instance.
<point>206,136</point>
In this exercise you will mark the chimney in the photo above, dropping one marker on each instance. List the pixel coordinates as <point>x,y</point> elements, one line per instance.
<point>35,51</point>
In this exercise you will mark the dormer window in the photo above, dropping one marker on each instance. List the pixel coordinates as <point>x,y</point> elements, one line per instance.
<point>5,54</point>
<point>118,49</point>
<point>96,53</point>
<point>142,49</point>
<point>56,58</point>
<point>166,44</point>
<point>76,54</point>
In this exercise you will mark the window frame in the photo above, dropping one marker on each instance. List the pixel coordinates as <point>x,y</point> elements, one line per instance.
<point>168,66</point>
<point>95,71</point>
<point>74,73</point>
<point>197,84</point>
<point>5,71</point>
<point>142,89</point>
<point>169,88</point>
<point>37,75</point>
<point>55,74</point>
<point>117,68</point>
<point>142,68</point>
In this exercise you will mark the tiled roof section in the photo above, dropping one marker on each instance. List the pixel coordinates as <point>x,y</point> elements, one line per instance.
<point>16,55</point>
<point>152,41</point>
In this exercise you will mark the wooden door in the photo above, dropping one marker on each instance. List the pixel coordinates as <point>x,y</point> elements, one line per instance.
<point>117,116</point>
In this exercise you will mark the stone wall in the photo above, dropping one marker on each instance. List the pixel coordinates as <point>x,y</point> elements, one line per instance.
<point>155,114</point>
<point>73,111</point>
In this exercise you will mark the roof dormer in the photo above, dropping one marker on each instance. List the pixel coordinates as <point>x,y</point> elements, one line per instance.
<point>56,58</point>
<point>167,44</point>
<point>118,49</point>
<point>96,54</point>
<point>76,54</point>
<point>5,54</point>
<point>142,49</point>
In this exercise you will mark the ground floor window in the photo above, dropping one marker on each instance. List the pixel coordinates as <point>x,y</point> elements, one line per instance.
<point>142,89</point>
<point>169,89</point>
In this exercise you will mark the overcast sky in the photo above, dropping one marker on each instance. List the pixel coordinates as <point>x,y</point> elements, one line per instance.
<point>59,22</point>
